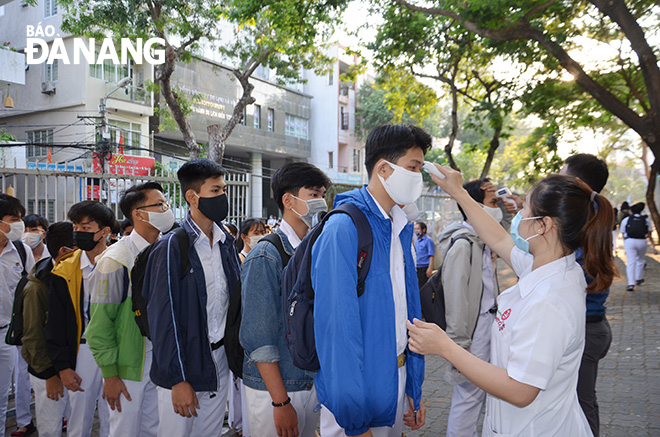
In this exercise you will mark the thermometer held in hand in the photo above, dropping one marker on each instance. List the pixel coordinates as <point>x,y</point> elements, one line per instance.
<point>430,168</point>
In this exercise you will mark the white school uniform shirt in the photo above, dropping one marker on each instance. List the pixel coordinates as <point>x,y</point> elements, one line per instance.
<point>217,291</point>
<point>538,337</point>
<point>11,269</point>
<point>294,239</point>
<point>624,224</point>
<point>87,268</point>
<point>397,273</point>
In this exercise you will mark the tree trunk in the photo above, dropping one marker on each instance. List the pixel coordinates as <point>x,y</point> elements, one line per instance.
<point>218,135</point>
<point>650,196</point>
<point>162,75</point>
<point>494,144</point>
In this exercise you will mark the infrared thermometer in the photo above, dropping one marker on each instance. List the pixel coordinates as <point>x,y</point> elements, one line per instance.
<point>503,194</point>
<point>430,168</point>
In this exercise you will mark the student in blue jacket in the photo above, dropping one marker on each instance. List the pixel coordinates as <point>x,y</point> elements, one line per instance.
<point>187,314</point>
<point>369,383</point>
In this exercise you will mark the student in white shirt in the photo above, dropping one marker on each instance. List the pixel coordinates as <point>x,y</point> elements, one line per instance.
<point>11,270</point>
<point>538,335</point>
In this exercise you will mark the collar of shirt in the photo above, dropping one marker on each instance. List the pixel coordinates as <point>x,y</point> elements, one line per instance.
<point>216,232</point>
<point>137,241</point>
<point>85,262</point>
<point>527,282</point>
<point>8,248</point>
<point>290,234</point>
<point>398,217</point>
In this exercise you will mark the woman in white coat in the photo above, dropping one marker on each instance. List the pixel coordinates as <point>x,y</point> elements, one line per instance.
<point>538,335</point>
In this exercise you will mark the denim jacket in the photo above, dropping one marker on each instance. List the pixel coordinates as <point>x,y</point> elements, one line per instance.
<point>262,332</point>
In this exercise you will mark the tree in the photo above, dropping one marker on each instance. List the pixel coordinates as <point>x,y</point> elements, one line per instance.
<point>545,32</point>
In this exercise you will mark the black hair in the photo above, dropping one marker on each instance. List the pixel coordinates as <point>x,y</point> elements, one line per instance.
<point>474,190</point>
<point>10,205</point>
<point>590,168</point>
<point>94,211</point>
<point>136,196</point>
<point>124,224</point>
<point>193,174</point>
<point>625,206</point>
<point>637,208</point>
<point>34,221</point>
<point>392,141</point>
<point>291,177</point>
<point>233,230</point>
<point>582,220</point>
<point>246,226</point>
<point>422,226</point>
<point>59,235</point>
<point>114,229</point>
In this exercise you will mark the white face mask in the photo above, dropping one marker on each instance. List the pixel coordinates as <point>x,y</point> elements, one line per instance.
<point>403,186</point>
<point>32,239</point>
<point>254,240</point>
<point>496,213</point>
<point>162,221</point>
<point>15,230</point>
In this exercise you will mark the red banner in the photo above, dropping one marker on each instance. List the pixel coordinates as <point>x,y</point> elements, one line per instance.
<point>127,165</point>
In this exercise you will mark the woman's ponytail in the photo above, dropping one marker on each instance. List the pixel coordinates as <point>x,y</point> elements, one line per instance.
<point>596,243</point>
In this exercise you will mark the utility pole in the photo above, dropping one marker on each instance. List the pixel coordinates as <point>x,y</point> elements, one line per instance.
<point>103,151</point>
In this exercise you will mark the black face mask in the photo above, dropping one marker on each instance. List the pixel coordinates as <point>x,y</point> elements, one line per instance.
<point>85,240</point>
<point>214,208</point>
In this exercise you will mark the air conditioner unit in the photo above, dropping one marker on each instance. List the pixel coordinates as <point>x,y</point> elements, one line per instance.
<point>48,88</point>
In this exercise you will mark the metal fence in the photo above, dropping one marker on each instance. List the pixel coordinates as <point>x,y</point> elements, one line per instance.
<point>50,193</point>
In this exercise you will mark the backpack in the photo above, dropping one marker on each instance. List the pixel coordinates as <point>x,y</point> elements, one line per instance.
<point>432,294</point>
<point>233,348</point>
<point>15,331</point>
<point>139,304</point>
<point>298,294</point>
<point>636,227</point>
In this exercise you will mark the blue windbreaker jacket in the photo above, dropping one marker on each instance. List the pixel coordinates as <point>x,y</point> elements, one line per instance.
<point>355,337</point>
<point>176,311</point>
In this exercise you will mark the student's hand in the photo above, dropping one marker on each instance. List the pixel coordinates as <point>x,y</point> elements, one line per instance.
<point>71,380</point>
<point>511,208</point>
<point>113,387</point>
<point>286,421</point>
<point>452,184</point>
<point>184,399</point>
<point>429,271</point>
<point>412,419</point>
<point>54,388</point>
<point>427,338</point>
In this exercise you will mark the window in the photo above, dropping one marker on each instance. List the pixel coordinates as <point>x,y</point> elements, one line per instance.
<point>126,134</point>
<point>50,8</point>
<point>331,159</point>
<point>356,160</point>
<point>271,120</point>
<point>344,118</point>
<point>296,126</point>
<point>41,209</point>
<point>38,137</point>
<point>51,71</point>
<point>110,72</point>
<point>257,116</point>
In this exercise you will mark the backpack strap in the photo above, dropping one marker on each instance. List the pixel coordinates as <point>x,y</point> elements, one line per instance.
<point>365,242</point>
<point>18,244</point>
<point>276,241</point>
<point>182,238</point>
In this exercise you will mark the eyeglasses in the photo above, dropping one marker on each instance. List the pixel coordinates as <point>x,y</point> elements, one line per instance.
<point>164,206</point>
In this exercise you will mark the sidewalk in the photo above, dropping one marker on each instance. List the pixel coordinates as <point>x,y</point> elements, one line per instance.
<point>629,376</point>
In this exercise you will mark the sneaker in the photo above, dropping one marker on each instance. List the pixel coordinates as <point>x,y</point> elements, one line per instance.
<point>630,288</point>
<point>640,281</point>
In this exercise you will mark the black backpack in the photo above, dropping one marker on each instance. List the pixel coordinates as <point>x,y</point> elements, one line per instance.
<point>233,347</point>
<point>636,227</point>
<point>139,304</point>
<point>15,331</point>
<point>432,294</point>
<point>298,294</point>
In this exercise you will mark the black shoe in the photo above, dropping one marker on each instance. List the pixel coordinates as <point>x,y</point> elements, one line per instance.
<point>29,429</point>
<point>640,281</point>
<point>630,288</point>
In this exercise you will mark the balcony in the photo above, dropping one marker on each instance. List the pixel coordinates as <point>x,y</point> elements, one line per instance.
<point>134,94</point>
